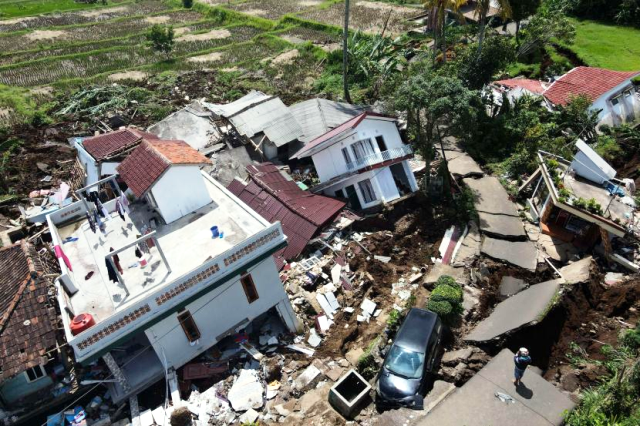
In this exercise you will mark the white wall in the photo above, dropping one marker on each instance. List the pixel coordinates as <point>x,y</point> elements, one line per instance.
<point>180,191</point>
<point>89,164</point>
<point>610,115</point>
<point>216,312</point>
<point>330,162</point>
<point>387,187</point>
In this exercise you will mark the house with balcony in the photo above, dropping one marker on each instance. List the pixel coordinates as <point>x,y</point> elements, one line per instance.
<point>363,160</point>
<point>164,276</point>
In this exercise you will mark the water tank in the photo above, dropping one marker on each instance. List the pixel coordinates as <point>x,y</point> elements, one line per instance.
<point>81,322</point>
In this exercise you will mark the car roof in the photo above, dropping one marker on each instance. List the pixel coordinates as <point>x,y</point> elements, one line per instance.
<point>416,330</point>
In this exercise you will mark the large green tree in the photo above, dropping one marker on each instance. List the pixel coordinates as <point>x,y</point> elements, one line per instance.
<point>438,10</point>
<point>436,106</point>
<point>483,7</point>
<point>522,9</point>
<point>161,38</point>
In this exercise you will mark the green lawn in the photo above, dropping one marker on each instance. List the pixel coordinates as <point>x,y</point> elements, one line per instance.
<point>607,46</point>
<point>18,9</point>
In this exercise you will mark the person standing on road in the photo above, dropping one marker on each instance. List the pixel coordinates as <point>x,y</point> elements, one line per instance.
<point>521,360</point>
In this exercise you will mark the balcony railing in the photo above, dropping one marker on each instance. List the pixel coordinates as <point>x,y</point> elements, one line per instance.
<point>379,157</point>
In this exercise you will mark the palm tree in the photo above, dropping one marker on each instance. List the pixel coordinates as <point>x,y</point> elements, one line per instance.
<point>482,10</point>
<point>345,52</point>
<point>438,18</point>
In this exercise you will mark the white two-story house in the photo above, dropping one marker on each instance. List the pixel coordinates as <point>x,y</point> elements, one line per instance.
<point>166,276</point>
<point>363,160</point>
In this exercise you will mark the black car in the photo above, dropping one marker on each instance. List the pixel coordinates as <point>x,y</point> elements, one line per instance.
<point>410,360</point>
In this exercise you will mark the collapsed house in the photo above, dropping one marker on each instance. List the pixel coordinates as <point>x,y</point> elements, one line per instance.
<point>613,94</point>
<point>276,197</point>
<point>154,278</point>
<point>364,160</point>
<point>193,124</point>
<point>34,369</point>
<point>262,122</point>
<point>581,202</point>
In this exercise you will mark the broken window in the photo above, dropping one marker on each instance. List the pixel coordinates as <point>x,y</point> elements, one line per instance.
<point>188,326</point>
<point>249,288</point>
<point>368,193</point>
<point>35,373</point>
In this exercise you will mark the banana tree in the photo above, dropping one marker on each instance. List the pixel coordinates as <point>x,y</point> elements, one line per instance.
<point>439,9</point>
<point>482,10</point>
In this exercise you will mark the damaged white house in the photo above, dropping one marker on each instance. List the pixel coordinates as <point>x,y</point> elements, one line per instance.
<point>363,160</point>
<point>165,274</point>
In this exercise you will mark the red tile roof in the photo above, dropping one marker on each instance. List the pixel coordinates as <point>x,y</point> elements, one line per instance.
<point>144,166</point>
<point>534,86</point>
<point>28,323</point>
<point>347,125</point>
<point>275,198</point>
<point>109,144</point>
<point>593,82</point>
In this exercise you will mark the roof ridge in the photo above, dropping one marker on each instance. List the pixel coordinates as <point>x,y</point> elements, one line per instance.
<point>23,285</point>
<point>158,152</point>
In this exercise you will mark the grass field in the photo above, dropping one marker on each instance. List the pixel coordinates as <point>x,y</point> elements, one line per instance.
<point>607,46</point>
<point>20,8</point>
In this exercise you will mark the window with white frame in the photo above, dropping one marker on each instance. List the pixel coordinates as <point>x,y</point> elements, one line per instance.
<point>35,373</point>
<point>362,148</point>
<point>368,193</point>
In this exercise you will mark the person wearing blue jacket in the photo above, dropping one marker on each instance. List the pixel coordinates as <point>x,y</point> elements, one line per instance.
<point>522,361</point>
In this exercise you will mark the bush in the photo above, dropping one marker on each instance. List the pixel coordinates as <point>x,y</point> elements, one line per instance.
<point>187,4</point>
<point>631,338</point>
<point>447,280</point>
<point>447,293</point>
<point>441,308</point>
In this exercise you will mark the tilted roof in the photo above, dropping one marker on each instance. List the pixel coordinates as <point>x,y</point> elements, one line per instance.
<point>275,197</point>
<point>148,162</point>
<point>534,86</point>
<point>258,113</point>
<point>347,125</point>
<point>28,322</point>
<point>592,82</point>
<point>109,144</point>
<point>317,116</point>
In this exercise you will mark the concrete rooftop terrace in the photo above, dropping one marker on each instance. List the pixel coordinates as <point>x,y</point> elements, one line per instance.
<point>187,243</point>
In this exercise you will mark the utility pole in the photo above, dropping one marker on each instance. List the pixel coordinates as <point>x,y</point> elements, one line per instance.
<point>345,52</point>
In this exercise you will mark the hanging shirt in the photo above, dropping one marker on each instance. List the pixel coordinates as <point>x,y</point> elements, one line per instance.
<point>92,224</point>
<point>60,254</point>
<point>125,202</point>
<point>112,273</point>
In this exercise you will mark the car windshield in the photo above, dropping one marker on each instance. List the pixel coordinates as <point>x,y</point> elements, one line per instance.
<point>404,362</point>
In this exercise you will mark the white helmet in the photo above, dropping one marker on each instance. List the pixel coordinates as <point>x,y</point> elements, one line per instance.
<point>524,351</point>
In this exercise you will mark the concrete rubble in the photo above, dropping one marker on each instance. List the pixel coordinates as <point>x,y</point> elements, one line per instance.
<point>519,253</point>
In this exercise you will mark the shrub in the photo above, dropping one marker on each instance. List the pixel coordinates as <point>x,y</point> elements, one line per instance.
<point>447,280</point>
<point>593,206</point>
<point>441,308</point>
<point>394,320</point>
<point>580,203</point>
<point>631,338</point>
<point>447,293</point>
<point>187,4</point>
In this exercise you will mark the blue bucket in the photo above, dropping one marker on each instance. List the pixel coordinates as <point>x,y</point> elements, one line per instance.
<point>214,232</point>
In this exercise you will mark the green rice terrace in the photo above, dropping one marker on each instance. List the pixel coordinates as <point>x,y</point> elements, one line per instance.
<point>101,43</point>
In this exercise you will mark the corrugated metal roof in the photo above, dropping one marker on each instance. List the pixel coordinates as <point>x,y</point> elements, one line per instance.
<point>258,113</point>
<point>276,197</point>
<point>227,110</point>
<point>317,116</point>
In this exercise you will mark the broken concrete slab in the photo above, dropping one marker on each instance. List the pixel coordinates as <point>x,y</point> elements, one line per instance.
<point>469,247</point>
<point>520,253</point>
<point>307,378</point>
<point>491,197</point>
<point>556,249</point>
<point>501,225</point>
<point>246,392</point>
<point>454,357</point>
<point>577,272</point>
<point>526,307</point>
<point>462,165</point>
<point>510,286</point>
<point>537,402</point>
<point>438,269</point>
<point>408,416</point>
<point>353,355</point>
<point>249,417</point>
